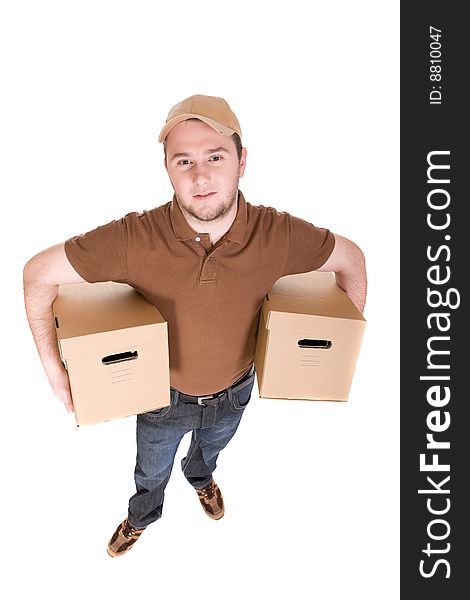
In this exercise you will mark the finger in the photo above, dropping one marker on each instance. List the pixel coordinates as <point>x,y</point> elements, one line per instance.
<point>69,405</point>
<point>66,400</point>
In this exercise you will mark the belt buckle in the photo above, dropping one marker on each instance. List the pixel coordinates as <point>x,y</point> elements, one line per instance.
<point>200,398</point>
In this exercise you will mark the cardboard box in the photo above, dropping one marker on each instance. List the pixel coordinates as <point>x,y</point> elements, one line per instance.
<point>114,345</point>
<point>309,336</point>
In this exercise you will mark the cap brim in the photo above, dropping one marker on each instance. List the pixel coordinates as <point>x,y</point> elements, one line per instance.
<point>219,127</point>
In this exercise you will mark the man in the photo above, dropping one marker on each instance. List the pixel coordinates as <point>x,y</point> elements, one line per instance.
<point>206,260</point>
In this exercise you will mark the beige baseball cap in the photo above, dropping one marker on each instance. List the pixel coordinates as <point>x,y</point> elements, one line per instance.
<point>212,110</point>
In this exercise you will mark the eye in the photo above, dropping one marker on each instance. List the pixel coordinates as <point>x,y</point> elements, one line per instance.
<point>183,162</point>
<point>216,158</point>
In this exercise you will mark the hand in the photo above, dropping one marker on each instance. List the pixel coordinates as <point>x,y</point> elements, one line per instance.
<point>60,384</point>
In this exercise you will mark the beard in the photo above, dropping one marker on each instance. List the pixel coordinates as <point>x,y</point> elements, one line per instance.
<point>207,213</point>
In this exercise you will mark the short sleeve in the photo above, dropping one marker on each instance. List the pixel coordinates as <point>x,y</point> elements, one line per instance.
<point>308,246</point>
<point>100,254</point>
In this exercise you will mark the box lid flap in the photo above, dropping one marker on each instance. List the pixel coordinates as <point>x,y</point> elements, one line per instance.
<point>305,296</point>
<point>87,308</point>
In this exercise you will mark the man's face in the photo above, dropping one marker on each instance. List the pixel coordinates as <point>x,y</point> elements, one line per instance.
<point>204,170</point>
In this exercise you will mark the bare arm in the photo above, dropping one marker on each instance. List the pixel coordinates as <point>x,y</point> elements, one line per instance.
<point>348,263</point>
<point>42,275</point>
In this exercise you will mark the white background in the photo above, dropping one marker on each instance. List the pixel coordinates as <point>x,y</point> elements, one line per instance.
<point>311,489</point>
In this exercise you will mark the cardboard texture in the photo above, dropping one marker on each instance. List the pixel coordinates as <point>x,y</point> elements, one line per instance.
<point>309,335</point>
<point>114,345</point>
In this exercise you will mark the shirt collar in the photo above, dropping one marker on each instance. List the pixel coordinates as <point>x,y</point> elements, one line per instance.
<point>183,231</point>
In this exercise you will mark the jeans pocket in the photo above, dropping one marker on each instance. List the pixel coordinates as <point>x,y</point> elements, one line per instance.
<point>239,399</point>
<point>159,413</point>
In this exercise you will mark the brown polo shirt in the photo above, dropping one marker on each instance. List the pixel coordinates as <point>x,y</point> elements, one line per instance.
<point>210,295</point>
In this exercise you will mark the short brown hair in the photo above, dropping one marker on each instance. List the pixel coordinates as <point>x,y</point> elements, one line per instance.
<point>235,137</point>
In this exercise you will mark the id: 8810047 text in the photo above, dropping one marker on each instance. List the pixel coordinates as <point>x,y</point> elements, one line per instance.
<point>435,66</point>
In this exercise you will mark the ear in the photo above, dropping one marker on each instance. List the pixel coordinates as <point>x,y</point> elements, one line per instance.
<point>241,168</point>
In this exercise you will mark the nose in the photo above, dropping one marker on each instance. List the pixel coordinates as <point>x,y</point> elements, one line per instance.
<point>200,173</point>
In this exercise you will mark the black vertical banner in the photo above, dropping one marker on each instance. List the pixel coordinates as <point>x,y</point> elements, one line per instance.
<point>435,321</point>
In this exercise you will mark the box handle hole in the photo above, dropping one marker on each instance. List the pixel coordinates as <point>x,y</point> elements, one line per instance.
<point>308,343</point>
<point>121,357</point>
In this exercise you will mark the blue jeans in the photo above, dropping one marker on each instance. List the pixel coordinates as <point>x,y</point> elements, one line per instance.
<point>158,436</point>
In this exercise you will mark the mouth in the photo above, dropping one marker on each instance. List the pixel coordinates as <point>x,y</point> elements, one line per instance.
<point>204,196</point>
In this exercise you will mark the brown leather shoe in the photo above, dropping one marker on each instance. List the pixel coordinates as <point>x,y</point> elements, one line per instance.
<point>211,499</point>
<point>123,539</point>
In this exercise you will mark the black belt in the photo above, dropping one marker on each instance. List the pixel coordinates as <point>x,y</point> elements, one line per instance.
<point>213,399</point>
